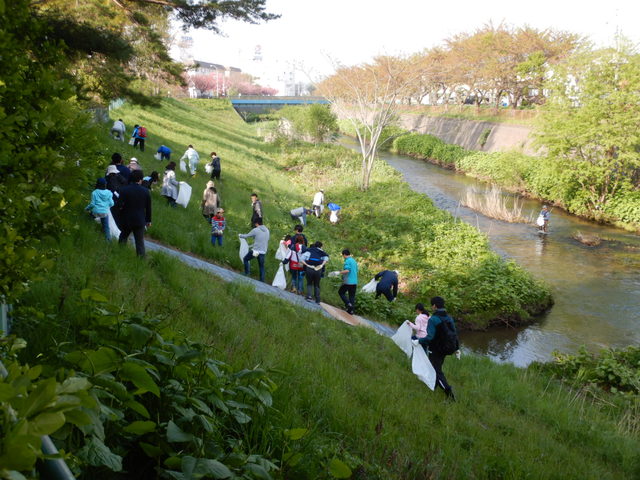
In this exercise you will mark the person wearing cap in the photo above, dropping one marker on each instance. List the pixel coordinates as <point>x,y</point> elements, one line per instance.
<point>318,203</point>
<point>387,284</point>
<point>133,164</point>
<point>101,202</point>
<point>544,214</point>
<point>218,224</point>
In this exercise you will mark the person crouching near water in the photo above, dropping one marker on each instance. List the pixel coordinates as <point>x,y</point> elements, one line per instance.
<point>419,325</point>
<point>218,224</point>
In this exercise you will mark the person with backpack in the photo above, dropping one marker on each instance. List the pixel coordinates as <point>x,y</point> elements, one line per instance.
<point>139,136</point>
<point>296,268</point>
<point>441,340</point>
<point>314,260</point>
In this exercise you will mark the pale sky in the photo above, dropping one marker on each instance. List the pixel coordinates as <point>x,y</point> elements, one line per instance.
<point>353,31</point>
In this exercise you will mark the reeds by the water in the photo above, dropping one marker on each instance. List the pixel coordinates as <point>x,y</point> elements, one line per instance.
<point>492,203</point>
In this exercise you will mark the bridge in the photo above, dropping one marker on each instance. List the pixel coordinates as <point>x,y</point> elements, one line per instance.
<point>264,104</point>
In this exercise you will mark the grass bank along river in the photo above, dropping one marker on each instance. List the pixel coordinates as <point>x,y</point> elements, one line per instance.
<point>387,227</point>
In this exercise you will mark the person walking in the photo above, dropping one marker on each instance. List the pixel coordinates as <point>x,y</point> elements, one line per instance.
<point>433,342</point>
<point>135,207</point>
<point>118,130</point>
<point>101,202</point>
<point>314,260</point>
<point>296,268</point>
<point>298,229</point>
<point>210,201</point>
<point>256,209</point>
<point>260,234</point>
<point>116,159</point>
<point>218,224</point>
<point>318,203</point>
<point>300,214</point>
<point>170,184</point>
<point>164,153</point>
<point>349,285</point>
<point>387,284</point>
<point>139,136</point>
<point>419,325</point>
<point>193,157</point>
<point>215,166</point>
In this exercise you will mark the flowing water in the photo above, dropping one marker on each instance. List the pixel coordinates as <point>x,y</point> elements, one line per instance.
<point>596,289</point>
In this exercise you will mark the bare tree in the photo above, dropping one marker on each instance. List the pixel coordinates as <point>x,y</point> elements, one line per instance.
<point>368,96</point>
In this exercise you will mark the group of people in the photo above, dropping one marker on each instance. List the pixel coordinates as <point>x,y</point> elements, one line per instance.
<point>125,193</point>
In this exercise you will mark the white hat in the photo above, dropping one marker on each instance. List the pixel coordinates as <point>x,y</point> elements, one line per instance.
<point>112,169</point>
<point>133,160</point>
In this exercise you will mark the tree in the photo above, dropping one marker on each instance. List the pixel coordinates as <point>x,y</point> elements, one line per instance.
<point>590,123</point>
<point>368,97</point>
<point>119,47</point>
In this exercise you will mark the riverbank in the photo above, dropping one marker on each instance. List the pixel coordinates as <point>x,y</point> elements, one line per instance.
<point>386,227</point>
<point>538,177</point>
<point>350,388</point>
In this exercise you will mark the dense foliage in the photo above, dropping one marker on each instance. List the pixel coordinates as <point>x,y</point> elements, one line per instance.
<point>316,123</point>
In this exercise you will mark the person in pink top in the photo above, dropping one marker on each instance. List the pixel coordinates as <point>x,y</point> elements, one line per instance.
<point>421,321</point>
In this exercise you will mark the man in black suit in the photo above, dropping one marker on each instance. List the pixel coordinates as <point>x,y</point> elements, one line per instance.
<point>135,211</point>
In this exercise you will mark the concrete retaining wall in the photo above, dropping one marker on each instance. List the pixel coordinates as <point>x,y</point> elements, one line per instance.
<point>468,133</point>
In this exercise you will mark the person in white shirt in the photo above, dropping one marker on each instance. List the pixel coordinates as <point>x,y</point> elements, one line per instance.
<point>318,203</point>
<point>193,158</point>
<point>118,130</point>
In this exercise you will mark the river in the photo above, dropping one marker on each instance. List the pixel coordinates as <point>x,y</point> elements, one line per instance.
<point>596,289</point>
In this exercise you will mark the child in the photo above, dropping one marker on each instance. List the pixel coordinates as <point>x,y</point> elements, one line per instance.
<point>101,202</point>
<point>150,180</point>
<point>218,225</point>
<point>296,268</point>
<point>421,322</point>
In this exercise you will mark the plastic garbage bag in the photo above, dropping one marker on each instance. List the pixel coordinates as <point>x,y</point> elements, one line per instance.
<point>280,279</point>
<point>370,287</point>
<point>540,221</point>
<point>183,166</point>
<point>157,156</point>
<point>184,194</point>
<point>132,141</point>
<point>333,218</point>
<point>208,168</point>
<point>244,249</point>
<point>421,366</point>
<point>281,252</point>
<point>114,231</point>
<point>402,338</point>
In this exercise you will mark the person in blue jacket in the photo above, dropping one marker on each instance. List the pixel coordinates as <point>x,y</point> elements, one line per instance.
<point>165,152</point>
<point>101,202</point>
<point>430,341</point>
<point>387,284</point>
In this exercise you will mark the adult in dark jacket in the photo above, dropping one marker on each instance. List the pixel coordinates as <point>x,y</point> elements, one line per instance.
<point>256,210</point>
<point>215,166</point>
<point>115,181</point>
<point>298,233</point>
<point>314,260</point>
<point>135,211</point>
<point>116,159</point>
<point>387,284</point>
<point>430,342</point>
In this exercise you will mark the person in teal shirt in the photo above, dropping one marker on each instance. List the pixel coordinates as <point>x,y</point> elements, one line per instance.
<point>349,285</point>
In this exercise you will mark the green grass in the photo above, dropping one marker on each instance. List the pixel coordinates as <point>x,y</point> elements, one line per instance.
<point>351,385</point>
<point>387,227</point>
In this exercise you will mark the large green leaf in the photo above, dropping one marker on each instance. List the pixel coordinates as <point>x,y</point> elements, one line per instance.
<point>96,453</point>
<point>175,433</point>
<point>46,423</point>
<point>39,398</point>
<point>339,469</point>
<point>140,378</point>
<point>204,467</point>
<point>140,427</point>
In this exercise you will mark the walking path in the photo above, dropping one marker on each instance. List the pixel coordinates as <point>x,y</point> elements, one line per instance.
<point>261,287</point>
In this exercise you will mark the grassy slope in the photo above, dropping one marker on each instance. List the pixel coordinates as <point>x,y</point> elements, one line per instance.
<point>354,384</point>
<point>405,224</point>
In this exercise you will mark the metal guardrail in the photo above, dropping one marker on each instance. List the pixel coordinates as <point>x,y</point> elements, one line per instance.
<point>51,468</point>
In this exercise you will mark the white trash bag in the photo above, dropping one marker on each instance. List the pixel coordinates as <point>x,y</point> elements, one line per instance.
<point>208,168</point>
<point>244,249</point>
<point>114,231</point>
<point>184,194</point>
<point>333,218</point>
<point>132,141</point>
<point>183,166</point>
<point>402,338</point>
<point>540,221</point>
<point>281,252</point>
<point>370,287</point>
<point>421,366</point>
<point>280,279</point>
<point>157,156</point>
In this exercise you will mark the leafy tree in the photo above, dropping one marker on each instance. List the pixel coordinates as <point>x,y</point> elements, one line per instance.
<point>316,122</point>
<point>590,123</point>
<point>46,145</point>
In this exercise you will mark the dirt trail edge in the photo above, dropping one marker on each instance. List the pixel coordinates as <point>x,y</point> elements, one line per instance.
<point>229,276</point>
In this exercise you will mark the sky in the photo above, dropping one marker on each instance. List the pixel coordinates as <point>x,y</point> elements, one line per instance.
<point>317,34</point>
